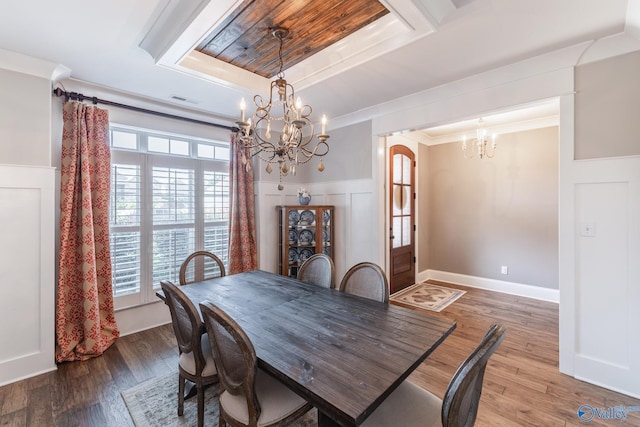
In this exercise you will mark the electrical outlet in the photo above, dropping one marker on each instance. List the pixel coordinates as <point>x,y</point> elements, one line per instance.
<point>504,269</point>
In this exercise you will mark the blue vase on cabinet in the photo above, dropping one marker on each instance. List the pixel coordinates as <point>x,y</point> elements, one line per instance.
<point>304,200</point>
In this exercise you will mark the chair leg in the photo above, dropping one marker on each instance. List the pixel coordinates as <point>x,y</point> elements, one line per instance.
<point>181,381</point>
<point>221,421</point>
<point>200,405</point>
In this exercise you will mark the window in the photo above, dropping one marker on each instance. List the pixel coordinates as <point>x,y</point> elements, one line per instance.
<point>169,198</point>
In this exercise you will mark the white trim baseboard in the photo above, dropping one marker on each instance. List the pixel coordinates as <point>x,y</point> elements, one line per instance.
<point>139,318</point>
<point>520,289</point>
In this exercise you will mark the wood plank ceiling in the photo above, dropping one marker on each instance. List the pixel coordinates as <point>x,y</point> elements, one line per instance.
<point>245,39</point>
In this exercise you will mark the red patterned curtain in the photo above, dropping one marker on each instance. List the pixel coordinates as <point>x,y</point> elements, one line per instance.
<point>243,250</point>
<point>85,322</point>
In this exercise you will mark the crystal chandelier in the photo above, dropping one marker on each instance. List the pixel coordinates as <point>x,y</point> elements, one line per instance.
<point>480,144</point>
<point>281,132</point>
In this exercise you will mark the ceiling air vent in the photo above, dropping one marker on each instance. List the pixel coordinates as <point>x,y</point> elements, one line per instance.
<point>182,99</point>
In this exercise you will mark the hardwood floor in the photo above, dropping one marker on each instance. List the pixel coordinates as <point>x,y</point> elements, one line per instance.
<point>522,385</point>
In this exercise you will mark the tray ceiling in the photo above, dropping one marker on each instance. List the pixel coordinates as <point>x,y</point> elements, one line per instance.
<point>244,38</point>
<point>230,42</point>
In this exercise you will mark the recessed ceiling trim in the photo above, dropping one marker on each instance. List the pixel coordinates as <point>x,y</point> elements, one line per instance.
<point>522,126</point>
<point>533,115</point>
<point>405,24</point>
<point>420,15</point>
<point>220,72</point>
<point>203,18</point>
<point>172,22</point>
<point>435,10</point>
<point>632,21</point>
<point>377,39</point>
<point>374,40</point>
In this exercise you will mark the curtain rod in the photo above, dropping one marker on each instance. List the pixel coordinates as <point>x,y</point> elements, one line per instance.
<point>80,97</point>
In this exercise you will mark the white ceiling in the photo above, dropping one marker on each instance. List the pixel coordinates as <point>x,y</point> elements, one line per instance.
<point>99,41</point>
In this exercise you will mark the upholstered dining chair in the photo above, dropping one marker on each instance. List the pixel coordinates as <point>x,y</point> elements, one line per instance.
<point>411,405</point>
<point>249,396</point>
<point>368,280</point>
<point>195,362</point>
<point>318,270</point>
<point>199,266</point>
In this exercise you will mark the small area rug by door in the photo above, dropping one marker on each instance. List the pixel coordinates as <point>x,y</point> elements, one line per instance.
<point>155,403</point>
<point>427,296</point>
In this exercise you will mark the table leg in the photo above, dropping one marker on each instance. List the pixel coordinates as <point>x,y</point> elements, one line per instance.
<point>325,421</point>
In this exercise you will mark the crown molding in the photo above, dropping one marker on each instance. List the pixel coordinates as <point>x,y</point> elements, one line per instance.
<point>24,64</point>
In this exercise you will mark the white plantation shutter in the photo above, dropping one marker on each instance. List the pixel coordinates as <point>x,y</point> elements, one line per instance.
<point>125,228</point>
<point>216,214</point>
<point>173,221</point>
<point>164,206</point>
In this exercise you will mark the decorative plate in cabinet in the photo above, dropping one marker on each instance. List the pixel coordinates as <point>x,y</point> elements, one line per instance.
<point>293,236</point>
<point>326,217</point>
<point>305,253</point>
<point>293,256</point>
<point>307,218</point>
<point>294,217</point>
<point>305,237</point>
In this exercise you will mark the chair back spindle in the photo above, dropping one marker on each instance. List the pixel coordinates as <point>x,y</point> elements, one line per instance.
<point>199,266</point>
<point>319,270</point>
<point>368,280</point>
<point>462,397</point>
<point>250,397</point>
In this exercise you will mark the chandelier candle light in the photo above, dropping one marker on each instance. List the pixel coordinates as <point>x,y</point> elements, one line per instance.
<point>281,131</point>
<point>480,144</point>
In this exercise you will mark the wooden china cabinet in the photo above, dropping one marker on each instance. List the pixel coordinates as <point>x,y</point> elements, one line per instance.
<point>304,230</point>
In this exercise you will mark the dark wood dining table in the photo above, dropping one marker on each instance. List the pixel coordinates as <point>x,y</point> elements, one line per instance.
<point>344,354</point>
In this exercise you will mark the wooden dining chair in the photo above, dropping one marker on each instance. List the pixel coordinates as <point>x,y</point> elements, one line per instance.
<point>411,405</point>
<point>368,280</point>
<point>199,266</point>
<point>195,362</point>
<point>318,270</point>
<point>250,396</point>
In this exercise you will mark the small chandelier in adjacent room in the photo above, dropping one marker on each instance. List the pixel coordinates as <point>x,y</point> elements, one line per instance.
<point>281,132</point>
<point>480,145</point>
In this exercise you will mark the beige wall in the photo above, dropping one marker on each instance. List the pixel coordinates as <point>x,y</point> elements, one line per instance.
<point>349,157</point>
<point>603,128</point>
<point>423,216</point>
<point>25,129</point>
<point>484,214</point>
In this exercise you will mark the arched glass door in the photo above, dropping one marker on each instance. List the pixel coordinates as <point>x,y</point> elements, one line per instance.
<point>402,215</point>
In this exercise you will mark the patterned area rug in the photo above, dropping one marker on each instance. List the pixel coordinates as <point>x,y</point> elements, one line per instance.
<point>427,295</point>
<point>155,403</point>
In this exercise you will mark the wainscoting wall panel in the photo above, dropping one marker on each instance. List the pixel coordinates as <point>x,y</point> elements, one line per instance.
<point>363,235</point>
<point>602,239</point>
<point>27,275</point>
<point>339,200</point>
<point>356,216</point>
<point>267,226</point>
<point>605,203</point>
<point>606,340</point>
